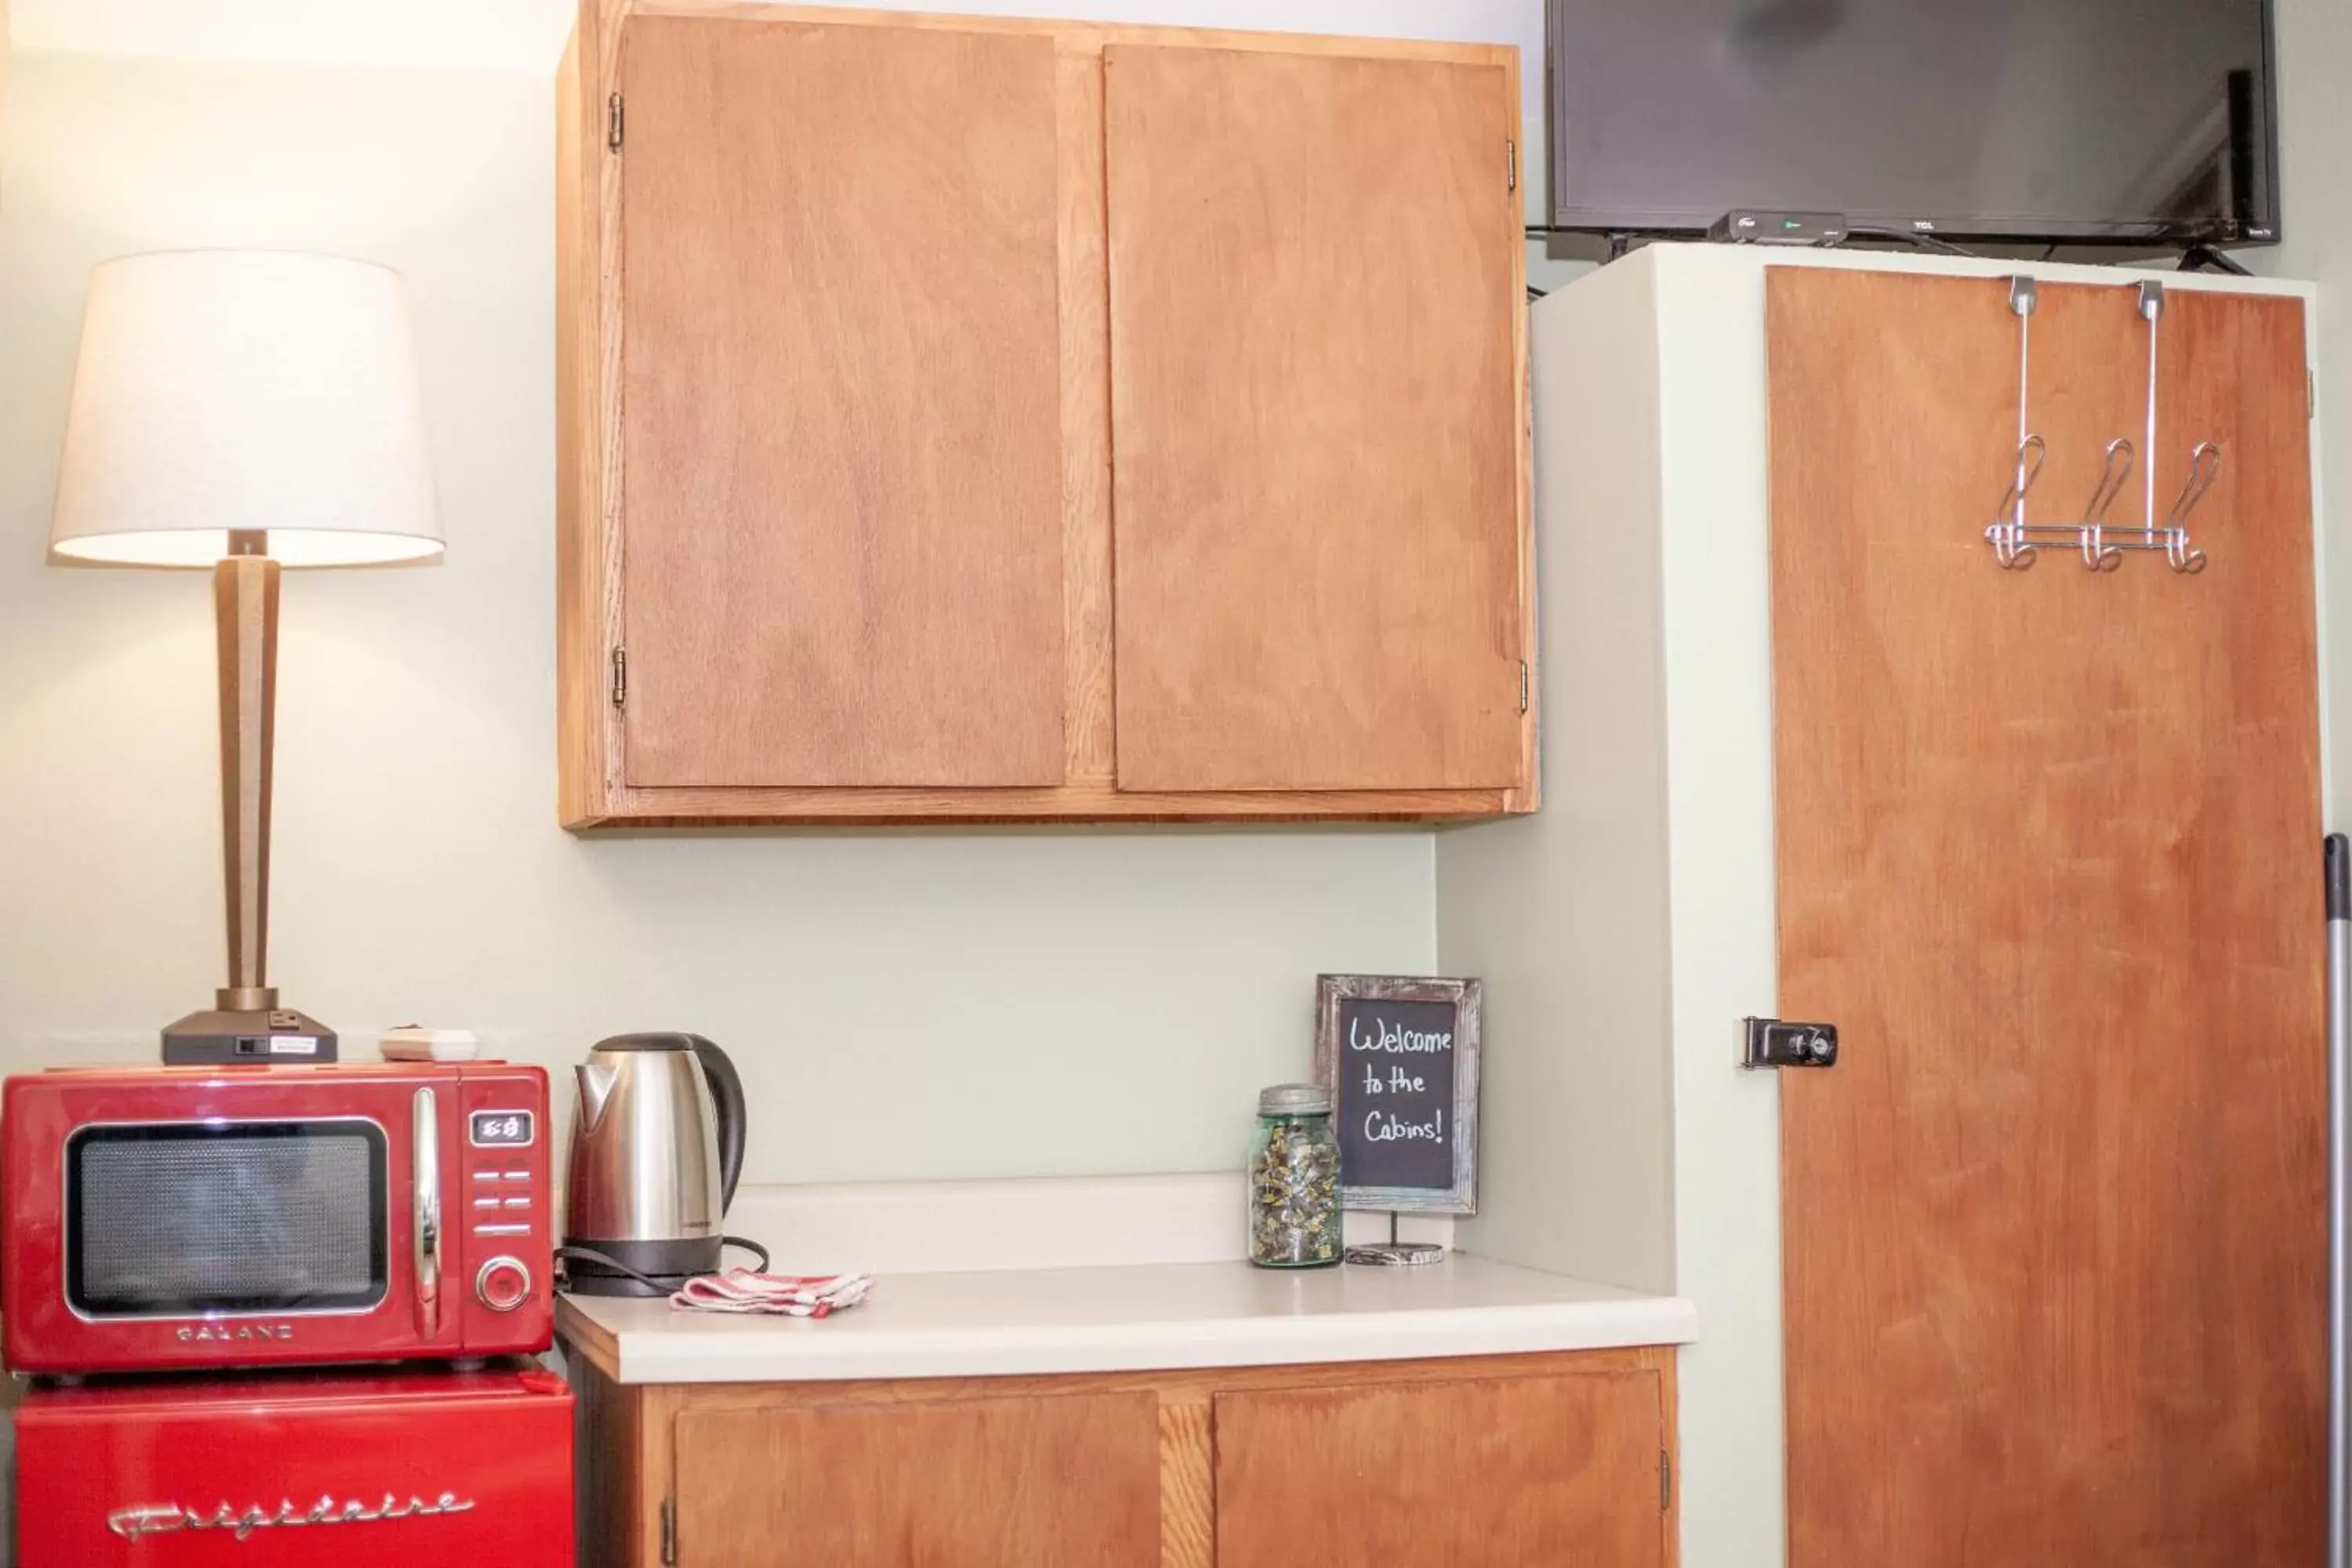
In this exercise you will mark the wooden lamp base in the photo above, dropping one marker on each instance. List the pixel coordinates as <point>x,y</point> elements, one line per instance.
<point>245,1023</point>
<point>250,1034</point>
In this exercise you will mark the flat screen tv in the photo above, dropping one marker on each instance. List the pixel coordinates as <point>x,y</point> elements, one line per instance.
<point>2139,121</point>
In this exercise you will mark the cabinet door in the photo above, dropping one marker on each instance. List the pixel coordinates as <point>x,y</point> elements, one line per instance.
<point>1505,1472</point>
<point>1058,1482</point>
<point>1319,510</point>
<point>840,385</point>
<point>2054,1231</point>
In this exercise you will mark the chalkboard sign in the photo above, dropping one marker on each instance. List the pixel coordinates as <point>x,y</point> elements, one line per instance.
<point>1400,1058</point>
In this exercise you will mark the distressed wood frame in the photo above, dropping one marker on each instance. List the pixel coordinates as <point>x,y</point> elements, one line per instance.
<point>1466,997</point>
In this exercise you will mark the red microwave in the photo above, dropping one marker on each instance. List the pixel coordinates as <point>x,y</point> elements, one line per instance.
<point>162,1217</point>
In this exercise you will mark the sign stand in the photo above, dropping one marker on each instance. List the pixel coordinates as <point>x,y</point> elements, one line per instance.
<point>1395,1254</point>
<point>1400,1055</point>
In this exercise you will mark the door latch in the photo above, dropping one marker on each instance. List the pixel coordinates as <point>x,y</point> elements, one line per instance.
<point>1773,1043</point>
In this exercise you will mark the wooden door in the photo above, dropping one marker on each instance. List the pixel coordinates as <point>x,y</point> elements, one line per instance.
<point>1319,458</point>
<point>1507,1472</point>
<point>840,385</point>
<point>2054,1229</point>
<point>1046,1481</point>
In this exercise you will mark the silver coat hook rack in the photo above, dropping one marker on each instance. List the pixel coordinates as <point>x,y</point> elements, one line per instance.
<point>2016,541</point>
<point>2204,468</point>
<point>2204,461</point>
<point>2009,541</point>
<point>2013,536</point>
<point>2097,553</point>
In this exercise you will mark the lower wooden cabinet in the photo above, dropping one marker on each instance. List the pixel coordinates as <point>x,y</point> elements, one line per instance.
<point>1567,1469</point>
<point>1485,1462</point>
<point>1056,1480</point>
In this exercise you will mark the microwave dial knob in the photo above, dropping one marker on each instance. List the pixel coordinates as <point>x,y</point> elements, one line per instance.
<point>503,1284</point>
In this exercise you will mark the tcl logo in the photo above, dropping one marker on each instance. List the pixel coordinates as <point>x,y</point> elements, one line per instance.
<point>227,1332</point>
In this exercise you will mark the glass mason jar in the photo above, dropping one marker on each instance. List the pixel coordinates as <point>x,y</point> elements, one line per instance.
<point>1294,1180</point>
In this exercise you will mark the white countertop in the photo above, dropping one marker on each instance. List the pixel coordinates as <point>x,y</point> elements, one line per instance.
<point>1141,1317</point>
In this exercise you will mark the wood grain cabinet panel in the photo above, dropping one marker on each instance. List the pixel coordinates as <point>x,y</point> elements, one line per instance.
<point>1314,328</point>
<point>1514,1461</point>
<point>841,378</point>
<point>1494,1474</point>
<point>2055,1229</point>
<point>969,418</point>
<point>1054,1481</point>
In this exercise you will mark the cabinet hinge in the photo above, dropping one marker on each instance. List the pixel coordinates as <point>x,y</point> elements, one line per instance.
<point>1523,686</point>
<point>1514,160</point>
<point>670,1532</point>
<point>1666,1481</point>
<point>612,123</point>
<point>620,678</point>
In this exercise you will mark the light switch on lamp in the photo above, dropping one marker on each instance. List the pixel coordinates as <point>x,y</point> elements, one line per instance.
<point>241,412</point>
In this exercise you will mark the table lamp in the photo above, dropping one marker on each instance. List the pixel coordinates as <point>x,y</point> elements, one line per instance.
<point>245,411</point>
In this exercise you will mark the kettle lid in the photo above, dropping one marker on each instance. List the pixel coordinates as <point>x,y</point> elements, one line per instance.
<point>647,1043</point>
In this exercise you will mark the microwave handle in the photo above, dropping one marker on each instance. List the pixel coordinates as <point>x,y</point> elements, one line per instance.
<point>425,1215</point>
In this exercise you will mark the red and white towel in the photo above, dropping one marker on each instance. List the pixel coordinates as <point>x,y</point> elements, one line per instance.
<point>747,1291</point>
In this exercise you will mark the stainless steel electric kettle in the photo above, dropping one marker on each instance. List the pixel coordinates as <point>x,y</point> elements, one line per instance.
<point>656,1145</point>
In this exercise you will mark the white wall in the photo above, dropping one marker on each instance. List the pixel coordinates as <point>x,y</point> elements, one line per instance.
<point>463,35</point>
<point>528,34</point>
<point>1564,914</point>
<point>1715,585</point>
<point>7,52</point>
<point>2315,45</point>
<point>905,1005</point>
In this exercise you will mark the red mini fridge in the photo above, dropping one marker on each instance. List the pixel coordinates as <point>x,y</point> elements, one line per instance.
<point>298,1470</point>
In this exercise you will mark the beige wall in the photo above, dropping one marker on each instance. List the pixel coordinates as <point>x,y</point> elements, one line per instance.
<point>2315,45</point>
<point>1564,914</point>
<point>7,58</point>
<point>905,1005</point>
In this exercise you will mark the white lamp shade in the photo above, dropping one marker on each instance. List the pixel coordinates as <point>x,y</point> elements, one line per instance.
<point>225,391</point>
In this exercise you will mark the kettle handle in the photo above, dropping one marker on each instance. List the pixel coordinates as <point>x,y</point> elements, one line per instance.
<point>727,1091</point>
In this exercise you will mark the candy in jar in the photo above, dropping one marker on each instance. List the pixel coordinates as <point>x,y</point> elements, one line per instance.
<point>1294,1180</point>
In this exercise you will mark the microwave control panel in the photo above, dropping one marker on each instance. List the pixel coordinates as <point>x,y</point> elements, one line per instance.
<point>507,1280</point>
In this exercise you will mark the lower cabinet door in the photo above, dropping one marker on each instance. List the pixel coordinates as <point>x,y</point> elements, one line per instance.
<point>1509,1472</point>
<point>1054,1481</point>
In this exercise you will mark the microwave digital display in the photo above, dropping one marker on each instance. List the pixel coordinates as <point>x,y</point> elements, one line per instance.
<point>501,1128</point>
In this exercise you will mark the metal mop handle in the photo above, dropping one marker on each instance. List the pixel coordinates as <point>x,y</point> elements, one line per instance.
<point>2337,858</point>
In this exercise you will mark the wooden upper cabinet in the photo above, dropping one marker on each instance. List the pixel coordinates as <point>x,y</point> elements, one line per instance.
<point>967,418</point>
<point>1316,266</point>
<point>841,465</point>
<point>1049,1481</point>
<point>1503,1472</point>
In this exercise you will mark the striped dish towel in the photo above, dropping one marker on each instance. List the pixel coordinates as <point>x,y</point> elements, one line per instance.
<point>747,1291</point>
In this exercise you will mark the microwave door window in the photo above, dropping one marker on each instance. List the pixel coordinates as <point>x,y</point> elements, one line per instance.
<point>168,1220</point>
